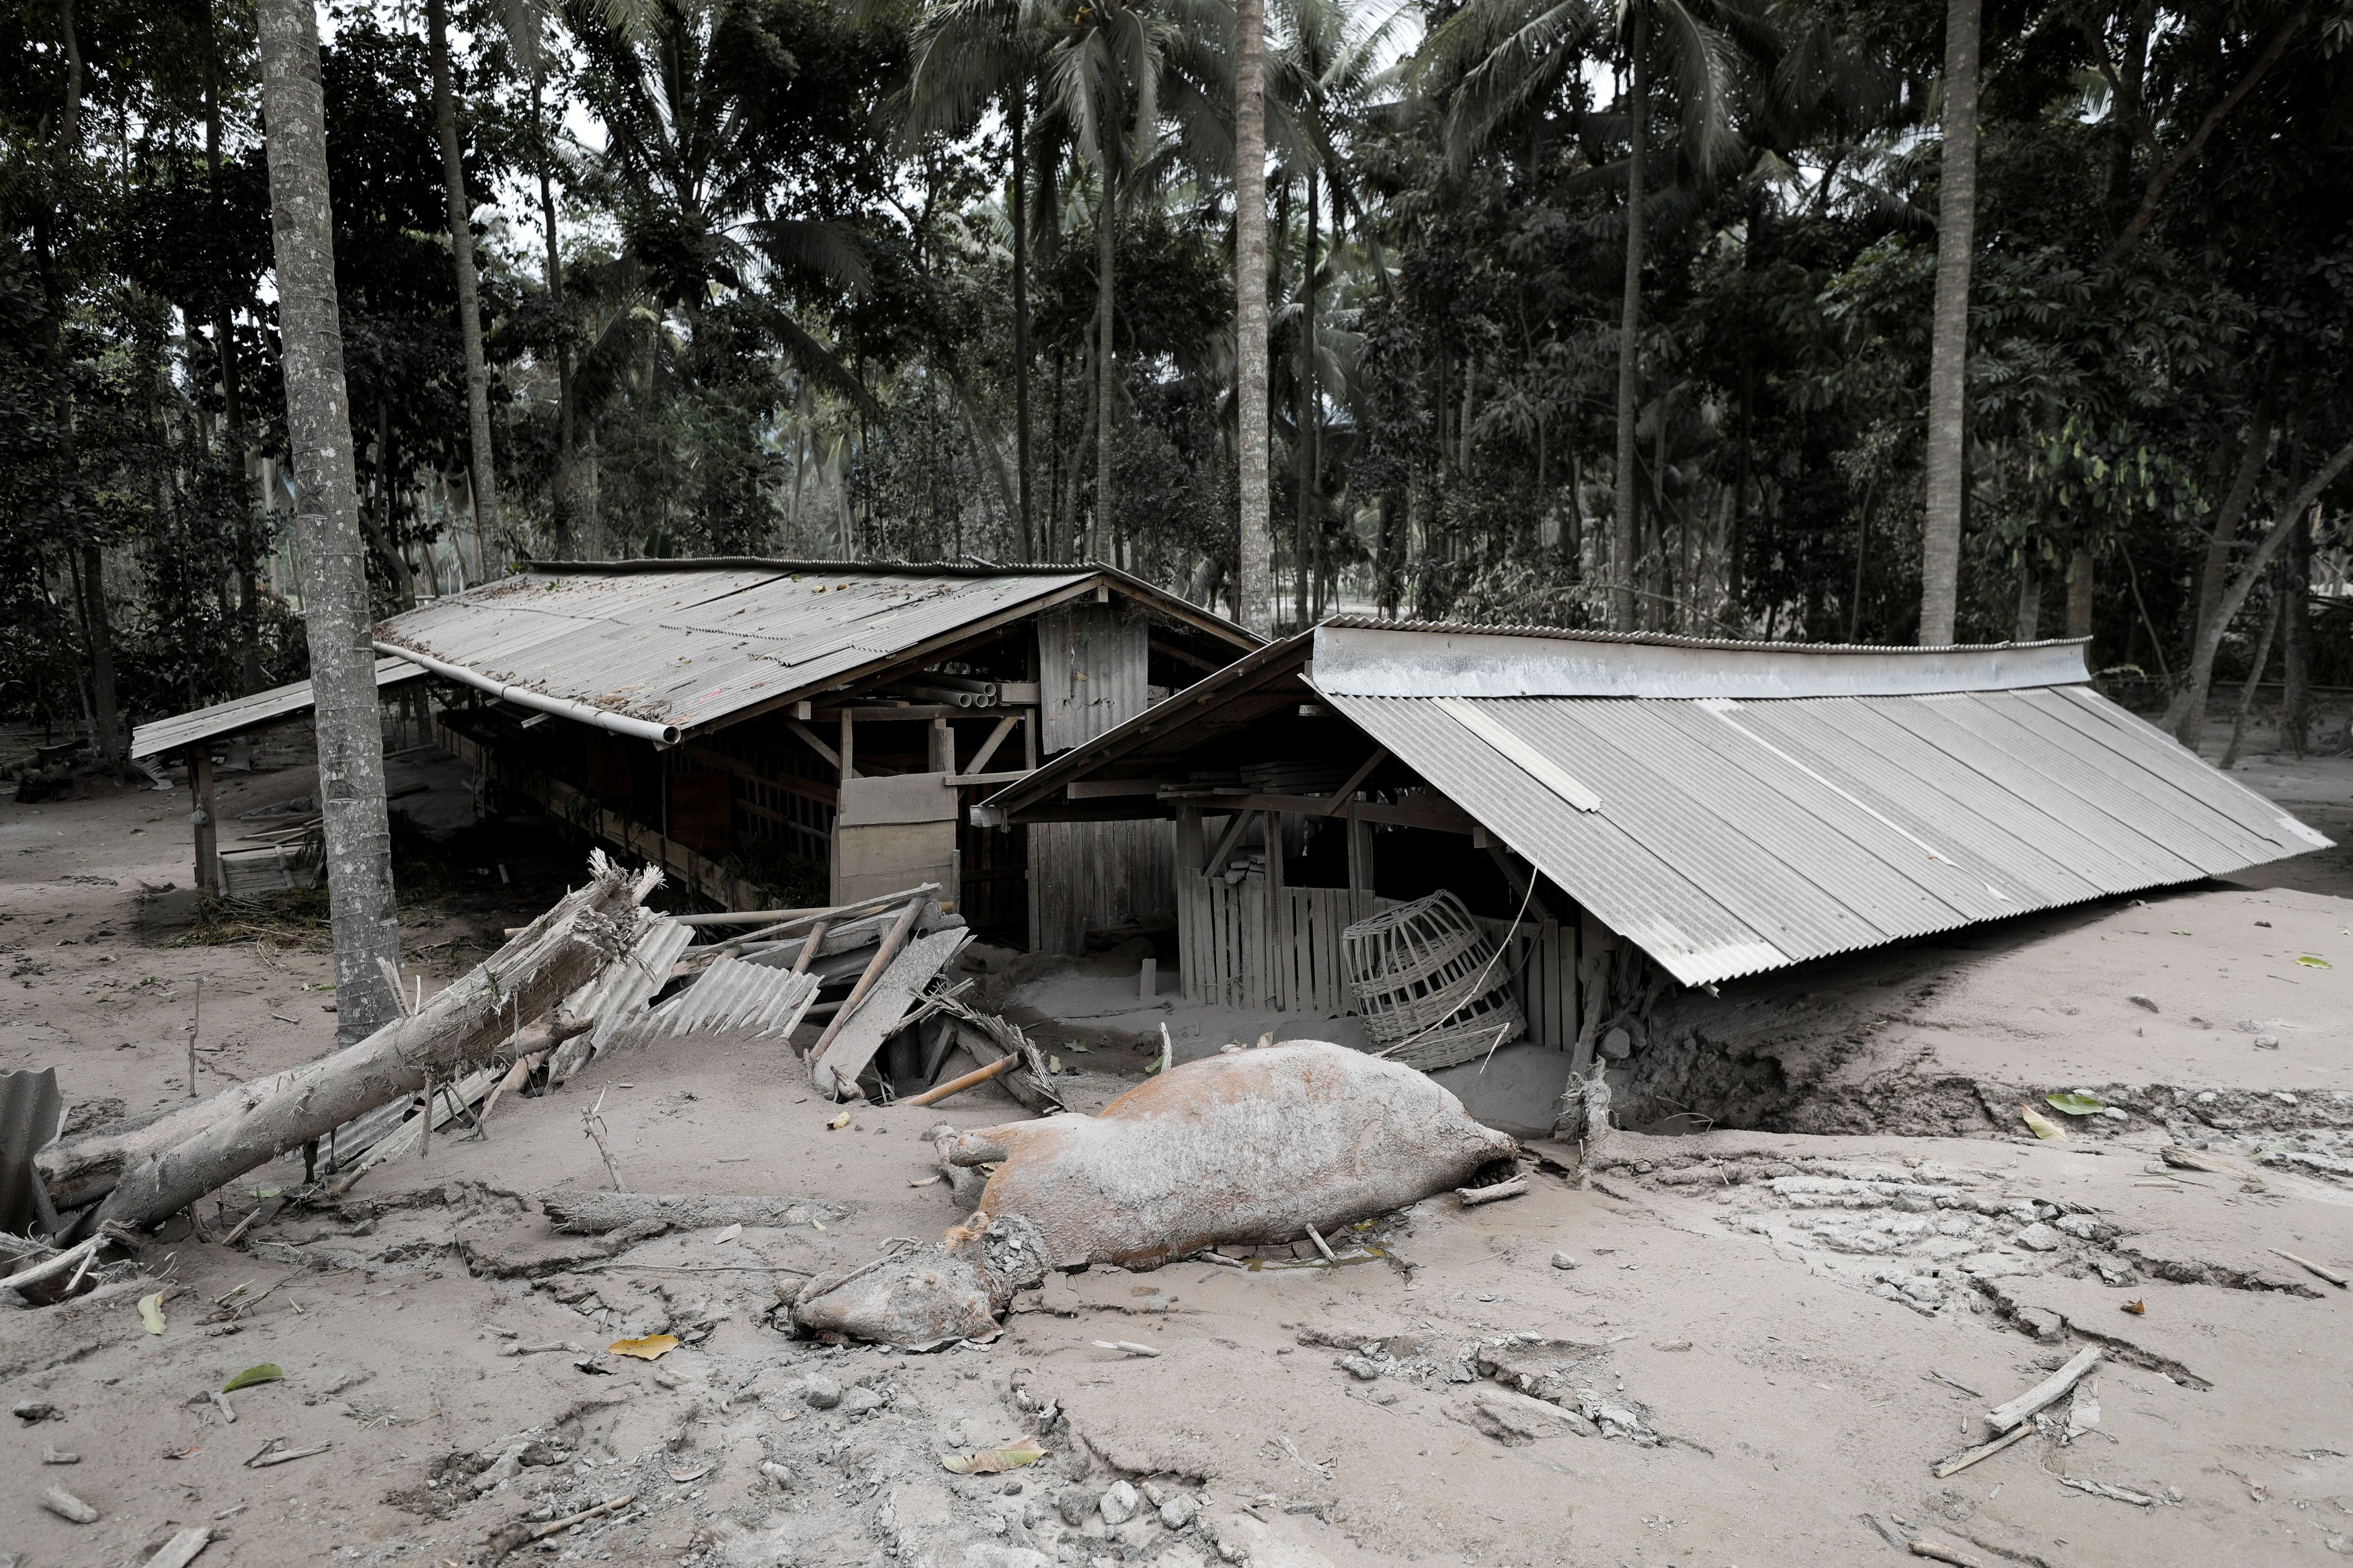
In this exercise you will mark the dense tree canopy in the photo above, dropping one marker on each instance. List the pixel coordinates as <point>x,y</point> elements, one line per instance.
<point>747,285</point>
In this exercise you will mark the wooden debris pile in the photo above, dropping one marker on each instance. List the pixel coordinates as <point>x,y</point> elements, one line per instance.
<point>417,1073</point>
<point>595,972</point>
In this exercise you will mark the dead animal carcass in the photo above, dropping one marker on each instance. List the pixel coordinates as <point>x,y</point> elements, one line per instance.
<point>1249,1146</point>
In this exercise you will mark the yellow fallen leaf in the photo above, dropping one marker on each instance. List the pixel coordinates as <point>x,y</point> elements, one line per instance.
<point>838,1122</point>
<point>151,1313</point>
<point>2043,1126</point>
<point>2311,961</point>
<point>653,1347</point>
<point>1008,1456</point>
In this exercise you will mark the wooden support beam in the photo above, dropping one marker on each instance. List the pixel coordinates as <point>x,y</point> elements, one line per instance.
<point>1005,726</point>
<point>1109,789</point>
<point>810,737</point>
<point>1235,826</point>
<point>847,757</point>
<point>1342,795</point>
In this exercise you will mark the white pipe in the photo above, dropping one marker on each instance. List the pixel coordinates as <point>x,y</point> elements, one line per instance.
<point>523,697</point>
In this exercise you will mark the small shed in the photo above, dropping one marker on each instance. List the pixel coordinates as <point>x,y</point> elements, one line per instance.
<point>1720,808</point>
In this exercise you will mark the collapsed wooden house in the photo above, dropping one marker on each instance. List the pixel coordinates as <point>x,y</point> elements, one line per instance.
<point>756,726</point>
<point>1721,808</point>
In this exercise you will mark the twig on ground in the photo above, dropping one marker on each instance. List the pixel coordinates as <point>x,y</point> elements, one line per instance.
<point>593,1123</point>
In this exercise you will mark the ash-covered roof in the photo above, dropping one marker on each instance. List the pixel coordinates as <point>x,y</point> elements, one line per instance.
<point>1736,807</point>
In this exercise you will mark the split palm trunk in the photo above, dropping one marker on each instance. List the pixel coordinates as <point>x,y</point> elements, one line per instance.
<point>253,1124</point>
<point>1948,354</point>
<point>326,518</point>
<point>462,249</point>
<point>1254,591</point>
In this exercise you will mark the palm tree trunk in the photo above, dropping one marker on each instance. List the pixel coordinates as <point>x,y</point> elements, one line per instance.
<point>1255,590</point>
<point>1307,421</point>
<point>334,590</point>
<point>1629,334</point>
<point>1940,540</point>
<point>462,249</point>
<point>1106,236</point>
<point>564,509</point>
<point>1020,114</point>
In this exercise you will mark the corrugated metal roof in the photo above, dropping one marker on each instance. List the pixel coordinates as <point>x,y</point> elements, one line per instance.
<point>732,995</point>
<point>1732,837</point>
<point>697,643</point>
<point>242,713</point>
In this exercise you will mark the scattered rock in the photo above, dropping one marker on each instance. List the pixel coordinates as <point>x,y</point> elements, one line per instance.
<point>1563,1260</point>
<point>31,1410</point>
<point>1177,1513</point>
<point>2039,1238</point>
<point>1618,1044</point>
<point>67,1506</point>
<point>1118,1505</point>
<point>821,1392</point>
<point>1075,1506</point>
<point>861,1402</point>
<point>1358,1367</point>
<point>2266,1042</point>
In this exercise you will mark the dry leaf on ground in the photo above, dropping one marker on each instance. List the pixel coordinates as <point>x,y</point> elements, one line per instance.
<point>653,1347</point>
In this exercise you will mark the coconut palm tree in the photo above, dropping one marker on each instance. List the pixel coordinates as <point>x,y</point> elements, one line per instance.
<point>965,54</point>
<point>1130,90</point>
<point>1254,590</point>
<point>327,516</point>
<point>1494,61</point>
<point>461,251</point>
<point>1940,538</point>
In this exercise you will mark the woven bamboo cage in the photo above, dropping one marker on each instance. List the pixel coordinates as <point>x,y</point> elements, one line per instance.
<point>1429,984</point>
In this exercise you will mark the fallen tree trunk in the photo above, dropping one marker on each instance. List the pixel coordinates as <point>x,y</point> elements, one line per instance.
<point>556,954</point>
<point>596,1213</point>
<point>86,1169</point>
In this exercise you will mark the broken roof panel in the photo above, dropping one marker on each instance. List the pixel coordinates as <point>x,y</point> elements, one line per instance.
<point>688,644</point>
<point>1737,806</point>
<point>242,713</point>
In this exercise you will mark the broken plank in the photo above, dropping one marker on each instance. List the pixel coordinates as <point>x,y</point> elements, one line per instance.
<point>2001,1418</point>
<point>182,1549</point>
<point>969,1080</point>
<point>856,1035</point>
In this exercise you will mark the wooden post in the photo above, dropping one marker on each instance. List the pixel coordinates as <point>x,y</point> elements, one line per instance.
<point>1030,739</point>
<point>1189,848</point>
<point>203,817</point>
<point>943,747</point>
<point>848,771</point>
<point>1360,864</point>
<point>1281,958</point>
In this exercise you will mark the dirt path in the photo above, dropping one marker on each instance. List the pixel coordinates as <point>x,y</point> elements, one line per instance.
<point>1766,1331</point>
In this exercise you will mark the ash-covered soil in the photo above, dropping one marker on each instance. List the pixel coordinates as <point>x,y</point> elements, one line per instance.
<point>1729,1347</point>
